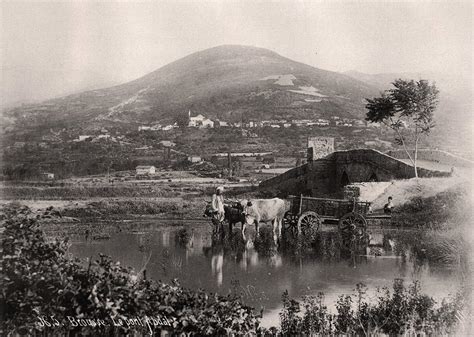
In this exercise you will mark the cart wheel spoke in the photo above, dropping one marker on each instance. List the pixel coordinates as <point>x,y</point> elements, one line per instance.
<point>308,220</point>
<point>352,226</point>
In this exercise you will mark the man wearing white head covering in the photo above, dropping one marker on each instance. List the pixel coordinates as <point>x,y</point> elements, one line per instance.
<point>218,204</point>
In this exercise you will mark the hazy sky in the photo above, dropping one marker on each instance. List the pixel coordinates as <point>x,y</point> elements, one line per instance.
<point>49,49</point>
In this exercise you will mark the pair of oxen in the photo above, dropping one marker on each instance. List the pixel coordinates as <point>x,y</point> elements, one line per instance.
<point>253,211</point>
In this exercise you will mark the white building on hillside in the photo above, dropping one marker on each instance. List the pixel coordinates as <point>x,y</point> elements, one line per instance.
<point>141,169</point>
<point>194,159</point>
<point>195,121</point>
<point>222,124</point>
<point>47,175</point>
<point>170,127</point>
<point>207,123</point>
<point>167,143</point>
<point>199,121</point>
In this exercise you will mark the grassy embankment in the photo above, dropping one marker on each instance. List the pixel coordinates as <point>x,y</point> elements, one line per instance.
<point>175,200</point>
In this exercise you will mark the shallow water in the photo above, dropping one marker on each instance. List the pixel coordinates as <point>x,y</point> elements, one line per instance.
<point>261,273</point>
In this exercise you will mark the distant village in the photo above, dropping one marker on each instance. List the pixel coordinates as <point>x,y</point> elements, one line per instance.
<point>201,121</point>
<point>236,161</point>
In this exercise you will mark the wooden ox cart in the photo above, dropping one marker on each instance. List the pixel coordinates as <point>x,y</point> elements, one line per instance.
<point>308,213</point>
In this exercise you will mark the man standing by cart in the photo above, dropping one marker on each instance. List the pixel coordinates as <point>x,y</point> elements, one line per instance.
<point>388,207</point>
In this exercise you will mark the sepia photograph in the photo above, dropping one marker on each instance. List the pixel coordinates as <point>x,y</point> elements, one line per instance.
<point>236,168</point>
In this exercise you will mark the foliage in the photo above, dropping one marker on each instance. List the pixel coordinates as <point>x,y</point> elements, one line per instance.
<point>449,209</point>
<point>404,310</point>
<point>182,118</point>
<point>407,109</point>
<point>40,280</point>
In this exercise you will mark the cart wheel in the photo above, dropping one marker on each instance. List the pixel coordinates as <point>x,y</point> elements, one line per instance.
<point>308,220</point>
<point>289,223</point>
<point>352,226</point>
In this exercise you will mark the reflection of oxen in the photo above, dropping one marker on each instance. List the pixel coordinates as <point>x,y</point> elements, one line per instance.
<point>265,210</point>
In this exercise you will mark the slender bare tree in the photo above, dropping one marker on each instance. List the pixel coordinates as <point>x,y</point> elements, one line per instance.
<point>408,110</point>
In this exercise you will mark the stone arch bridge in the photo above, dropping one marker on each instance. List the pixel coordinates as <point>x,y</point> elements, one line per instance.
<point>327,176</point>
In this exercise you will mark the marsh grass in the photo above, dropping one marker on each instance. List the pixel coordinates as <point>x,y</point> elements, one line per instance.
<point>166,207</point>
<point>404,310</point>
<point>69,192</point>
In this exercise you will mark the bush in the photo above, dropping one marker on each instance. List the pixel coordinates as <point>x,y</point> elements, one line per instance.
<point>404,311</point>
<point>43,290</point>
<point>435,211</point>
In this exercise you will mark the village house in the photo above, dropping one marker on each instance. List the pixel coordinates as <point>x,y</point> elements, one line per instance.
<point>373,125</point>
<point>167,143</point>
<point>144,147</point>
<point>248,133</point>
<point>243,154</point>
<point>196,121</point>
<point>221,124</point>
<point>170,127</point>
<point>144,128</point>
<point>302,122</point>
<point>207,123</point>
<point>322,122</point>
<point>194,159</point>
<point>343,123</point>
<point>83,137</point>
<point>143,169</point>
<point>199,121</point>
<point>47,176</point>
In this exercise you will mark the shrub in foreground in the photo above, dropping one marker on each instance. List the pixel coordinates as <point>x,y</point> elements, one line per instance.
<point>402,311</point>
<point>44,290</point>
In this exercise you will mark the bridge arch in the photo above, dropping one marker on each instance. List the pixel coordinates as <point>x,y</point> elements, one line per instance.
<point>345,179</point>
<point>373,177</point>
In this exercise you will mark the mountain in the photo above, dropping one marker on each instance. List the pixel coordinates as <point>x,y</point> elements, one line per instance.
<point>227,82</point>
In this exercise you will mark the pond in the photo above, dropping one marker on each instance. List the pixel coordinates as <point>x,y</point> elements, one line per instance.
<point>260,271</point>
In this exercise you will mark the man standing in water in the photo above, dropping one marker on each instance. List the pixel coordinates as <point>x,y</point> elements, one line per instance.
<point>217,205</point>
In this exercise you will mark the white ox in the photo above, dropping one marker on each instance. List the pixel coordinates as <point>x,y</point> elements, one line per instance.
<point>265,210</point>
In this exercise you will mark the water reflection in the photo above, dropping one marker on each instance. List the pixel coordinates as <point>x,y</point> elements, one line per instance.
<point>258,270</point>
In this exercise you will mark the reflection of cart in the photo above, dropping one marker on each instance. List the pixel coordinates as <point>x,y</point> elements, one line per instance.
<point>307,213</point>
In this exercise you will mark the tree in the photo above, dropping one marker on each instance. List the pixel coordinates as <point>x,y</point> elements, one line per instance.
<point>408,110</point>
<point>183,119</point>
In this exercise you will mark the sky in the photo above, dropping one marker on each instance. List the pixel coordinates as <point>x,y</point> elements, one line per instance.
<point>51,49</point>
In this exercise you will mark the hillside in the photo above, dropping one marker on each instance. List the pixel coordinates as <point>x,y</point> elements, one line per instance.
<point>230,83</point>
<point>226,82</point>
